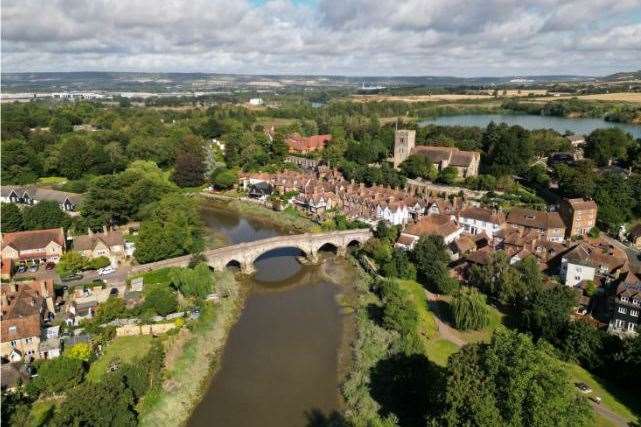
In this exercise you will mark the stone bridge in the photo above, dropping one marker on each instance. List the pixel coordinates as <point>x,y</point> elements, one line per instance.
<point>245,254</point>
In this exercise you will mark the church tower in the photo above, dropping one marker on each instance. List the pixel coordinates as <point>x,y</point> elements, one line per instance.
<point>404,141</point>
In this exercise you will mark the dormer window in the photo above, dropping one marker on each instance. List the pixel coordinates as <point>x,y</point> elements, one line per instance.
<point>13,329</point>
<point>624,299</point>
<point>636,302</point>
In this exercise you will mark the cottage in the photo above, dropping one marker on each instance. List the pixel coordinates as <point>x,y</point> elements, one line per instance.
<point>549,224</point>
<point>110,244</point>
<point>432,225</point>
<point>36,245</point>
<point>481,220</point>
<point>23,308</point>
<point>587,260</point>
<point>31,195</point>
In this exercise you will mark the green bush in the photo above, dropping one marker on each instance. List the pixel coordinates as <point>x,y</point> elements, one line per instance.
<point>469,310</point>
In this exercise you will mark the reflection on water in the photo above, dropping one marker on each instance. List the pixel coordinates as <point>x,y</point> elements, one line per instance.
<point>280,363</point>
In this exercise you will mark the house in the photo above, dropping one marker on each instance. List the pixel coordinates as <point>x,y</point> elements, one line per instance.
<point>549,224</point>
<point>109,243</point>
<point>626,306</point>
<point>465,162</point>
<point>80,310</point>
<point>579,216</point>
<point>432,225</point>
<point>260,190</point>
<point>35,245</point>
<point>307,144</point>
<point>31,195</point>
<point>303,162</point>
<point>576,140</point>
<point>587,260</point>
<point>256,101</point>
<point>23,308</point>
<point>481,220</point>
<point>635,236</point>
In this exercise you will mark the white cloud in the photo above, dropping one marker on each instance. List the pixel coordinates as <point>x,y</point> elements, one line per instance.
<point>358,37</point>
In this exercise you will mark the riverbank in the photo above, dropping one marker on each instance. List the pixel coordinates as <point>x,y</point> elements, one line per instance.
<point>192,358</point>
<point>288,220</point>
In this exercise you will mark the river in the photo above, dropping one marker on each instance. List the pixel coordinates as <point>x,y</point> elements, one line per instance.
<point>280,365</point>
<point>581,126</point>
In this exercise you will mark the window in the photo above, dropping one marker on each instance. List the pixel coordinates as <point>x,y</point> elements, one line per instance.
<point>622,310</point>
<point>28,340</point>
<point>13,343</point>
<point>636,302</point>
<point>631,327</point>
<point>624,299</point>
<point>634,313</point>
<point>618,323</point>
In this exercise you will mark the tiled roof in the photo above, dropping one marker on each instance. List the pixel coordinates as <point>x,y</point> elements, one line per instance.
<point>483,214</point>
<point>453,155</point>
<point>535,219</point>
<point>307,143</point>
<point>582,204</point>
<point>437,224</point>
<point>88,241</point>
<point>34,239</point>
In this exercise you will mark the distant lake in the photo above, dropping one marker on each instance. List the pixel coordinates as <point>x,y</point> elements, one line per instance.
<point>560,124</point>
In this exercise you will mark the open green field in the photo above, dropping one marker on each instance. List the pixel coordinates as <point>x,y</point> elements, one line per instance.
<point>161,275</point>
<point>622,402</point>
<point>438,350</point>
<point>126,349</point>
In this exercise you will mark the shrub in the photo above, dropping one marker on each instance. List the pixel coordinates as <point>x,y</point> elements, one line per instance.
<point>469,309</point>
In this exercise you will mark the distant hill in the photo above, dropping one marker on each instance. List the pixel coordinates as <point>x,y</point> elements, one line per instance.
<point>181,83</point>
<point>623,76</point>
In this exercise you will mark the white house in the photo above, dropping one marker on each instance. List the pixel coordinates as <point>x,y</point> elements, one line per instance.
<point>395,214</point>
<point>586,261</point>
<point>480,220</point>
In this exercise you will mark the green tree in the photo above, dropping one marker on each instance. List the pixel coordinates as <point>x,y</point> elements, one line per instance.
<point>448,175</point>
<point>11,218</point>
<point>547,313</point>
<point>46,214</point>
<point>419,166</point>
<point>161,299</point>
<point>111,309</point>
<point>511,381</point>
<point>469,309</point>
<point>224,179</point>
<point>81,351</point>
<point>605,145</point>
<point>193,282</point>
<point>76,157</point>
<point>190,163</point>
<point>112,404</point>
<point>431,260</point>
<point>583,343</point>
<point>172,228</point>
<point>71,262</point>
<point>56,376</point>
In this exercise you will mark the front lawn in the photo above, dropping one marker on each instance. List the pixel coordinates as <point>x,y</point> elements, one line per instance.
<point>126,349</point>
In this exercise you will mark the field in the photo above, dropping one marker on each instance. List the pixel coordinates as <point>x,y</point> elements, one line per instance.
<point>125,349</point>
<point>619,96</point>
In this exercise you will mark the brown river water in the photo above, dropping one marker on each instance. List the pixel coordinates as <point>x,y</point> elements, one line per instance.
<point>281,363</point>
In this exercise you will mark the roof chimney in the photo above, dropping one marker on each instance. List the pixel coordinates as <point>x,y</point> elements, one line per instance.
<point>89,231</point>
<point>104,229</point>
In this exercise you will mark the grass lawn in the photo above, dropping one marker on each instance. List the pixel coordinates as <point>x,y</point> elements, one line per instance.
<point>438,350</point>
<point>275,121</point>
<point>157,276</point>
<point>427,324</point>
<point>51,180</point>
<point>624,403</point>
<point>126,349</point>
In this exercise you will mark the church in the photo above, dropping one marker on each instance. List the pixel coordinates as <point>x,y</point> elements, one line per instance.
<point>465,162</point>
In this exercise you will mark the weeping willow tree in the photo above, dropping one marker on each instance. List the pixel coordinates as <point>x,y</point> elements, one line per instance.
<point>469,309</point>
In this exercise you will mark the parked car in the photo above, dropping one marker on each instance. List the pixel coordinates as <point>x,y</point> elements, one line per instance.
<point>106,270</point>
<point>21,268</point>
<point>583,388</point>
<point>596,399</point>
<point>33,268</point>
<point>50,265</point>
<point>72,277</point>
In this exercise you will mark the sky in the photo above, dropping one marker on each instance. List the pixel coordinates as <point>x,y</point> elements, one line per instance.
<point>464,38</point>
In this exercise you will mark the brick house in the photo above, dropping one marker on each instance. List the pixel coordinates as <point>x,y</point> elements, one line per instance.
<point>549,224</point>
<point>36,245</point>
<point>307,144</point>
<point>110,244</point>
<point>579,216</point>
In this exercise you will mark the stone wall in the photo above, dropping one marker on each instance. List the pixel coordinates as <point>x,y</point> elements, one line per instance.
<point>155,329</point>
